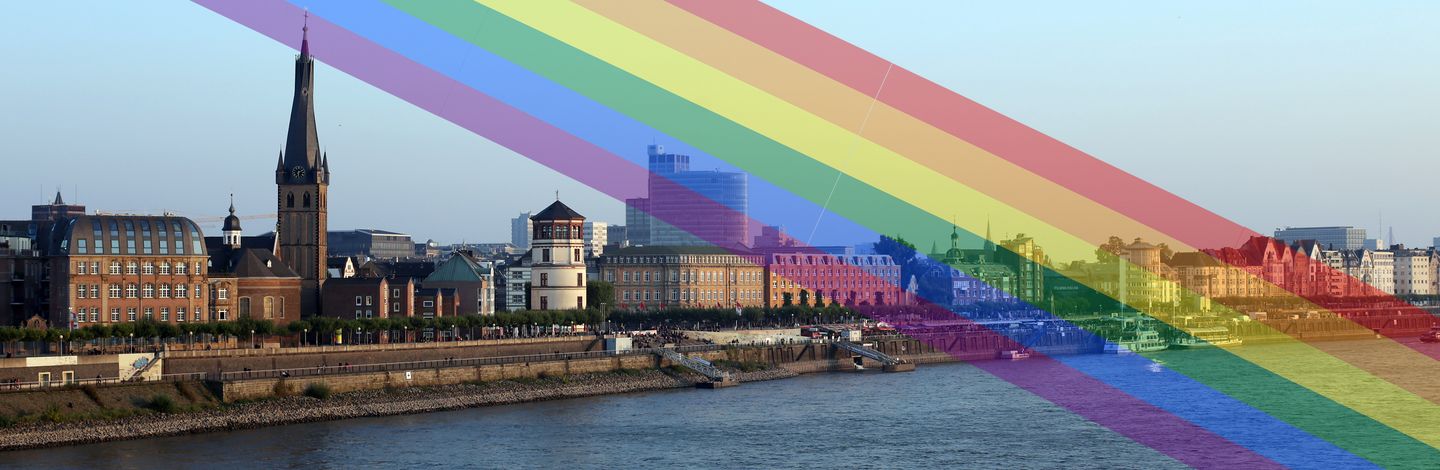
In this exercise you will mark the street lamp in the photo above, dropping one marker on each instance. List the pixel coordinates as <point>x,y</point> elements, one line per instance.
<point>252,339</point>
<point>304,332</point>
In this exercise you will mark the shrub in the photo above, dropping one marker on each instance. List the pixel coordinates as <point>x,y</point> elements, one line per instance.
<point>52,414</point>
<point>187,392</point>
<point>6,421</point>
<point>162,403</point>
<point>317,390</point>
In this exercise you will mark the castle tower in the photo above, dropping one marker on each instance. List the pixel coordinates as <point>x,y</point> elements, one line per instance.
<point>302,179</point>
<point>557,250</point>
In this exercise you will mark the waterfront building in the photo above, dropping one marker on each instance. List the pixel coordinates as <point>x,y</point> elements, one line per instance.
<point>470,281</point>
<point>302,180</point>
<point>655,277</point>
<point>1415,270</point>
<point>249,281</point>
<point>89,269</point>
<point>1027,260</point>
<point>1331,238</point>
<point>845,279</point>
<point>369,297</point>
<point>372,244</point>
<point>557,243</point>
<point>515,283</point>
<point>520,228</point>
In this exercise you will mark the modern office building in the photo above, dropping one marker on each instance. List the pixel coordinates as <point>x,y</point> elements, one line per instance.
<point>597,235</point>
<point>375,244</point>
<point>683,203</point>
<point>1329,238</point>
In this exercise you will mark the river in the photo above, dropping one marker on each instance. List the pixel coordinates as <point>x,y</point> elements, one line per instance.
<point>942,415</point>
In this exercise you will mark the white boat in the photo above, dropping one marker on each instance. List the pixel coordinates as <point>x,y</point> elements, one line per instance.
<point>1206,337</point>
<point>1014,354</point>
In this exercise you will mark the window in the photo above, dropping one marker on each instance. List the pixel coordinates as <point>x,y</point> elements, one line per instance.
<point>427,303</point>
<point>579,279</point>
<point>244,306</point>
<point>149,313</point>
<point>290,202</point>
<point>280,307</point>
<point>180,269</point>
<point>148,291</point>
<point>220,294</point>
<point>94,267</point>
<point>609,275</point>
<point>369,300</point>
<point>132,268</point>
<point>396,292</point>
<point>114,315</point>
<point>268,308</point>
<point>307,204</point>
<point>196,315</point>
<point>130,291</point>
<point>80,268</point>
<point>179,314</point>
<point>544,279</point>
<point>165,268</point>
<point>164,291</point>
<point>94,291</point>
<point>359,301</point>
<point>130,314</point>
<point>545,255</point>
<point>579,301</point>
<point>221,314</point>
<point>79,292</point>
<point>180,291</point>
<point>544,303</point>
<point>577,257</point>
<point>165,314</point>
<point>148,269</point>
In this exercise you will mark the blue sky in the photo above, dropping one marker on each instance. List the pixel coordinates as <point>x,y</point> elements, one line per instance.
<point>1286,113</point>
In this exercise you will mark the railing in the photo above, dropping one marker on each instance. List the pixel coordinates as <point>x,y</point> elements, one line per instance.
<point>439,363</point>
<point>62,383</point>
<point>867,352</point>
<point>703,367</point>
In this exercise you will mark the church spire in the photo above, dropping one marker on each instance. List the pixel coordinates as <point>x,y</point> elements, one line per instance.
<point>300,161</point>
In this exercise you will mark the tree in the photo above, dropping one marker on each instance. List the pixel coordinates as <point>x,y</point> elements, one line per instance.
<point>786,299</point>
<point>600,293</point>
<point>804,298</point>
<point>1110,250</point>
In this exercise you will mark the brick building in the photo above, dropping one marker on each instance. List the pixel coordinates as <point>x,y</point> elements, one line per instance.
<point>250,280</point>
<point>852,279</point>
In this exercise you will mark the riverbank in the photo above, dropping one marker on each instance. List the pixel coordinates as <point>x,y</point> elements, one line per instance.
<point>366,403</point>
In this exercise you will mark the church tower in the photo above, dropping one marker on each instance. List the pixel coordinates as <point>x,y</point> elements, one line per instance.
<point>302,179</point>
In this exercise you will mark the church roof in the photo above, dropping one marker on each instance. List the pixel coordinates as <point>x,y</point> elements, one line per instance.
<point>558,211</point>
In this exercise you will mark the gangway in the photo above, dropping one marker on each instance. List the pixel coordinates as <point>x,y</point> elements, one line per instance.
<point>718,378</point>
<point>890,363</point>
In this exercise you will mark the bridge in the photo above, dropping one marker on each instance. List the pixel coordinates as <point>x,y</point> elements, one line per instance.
<point>718,378</point>
<point>890,363</point>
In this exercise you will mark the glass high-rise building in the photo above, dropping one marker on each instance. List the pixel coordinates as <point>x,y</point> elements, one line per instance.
<point>1329,238</point>
<point>682,203</point>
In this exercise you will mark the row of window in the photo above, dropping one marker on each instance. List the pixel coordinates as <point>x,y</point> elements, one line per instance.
<point>148,268</point>
<point>689,295</point>
<point>270,308</point>
<point>132,314</point>
<point>685,276</point>
<point>133,291</point>
<point>545,255</point>
<point>847,283</point>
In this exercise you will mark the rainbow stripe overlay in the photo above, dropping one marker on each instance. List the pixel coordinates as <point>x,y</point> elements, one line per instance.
<point>827,131</point>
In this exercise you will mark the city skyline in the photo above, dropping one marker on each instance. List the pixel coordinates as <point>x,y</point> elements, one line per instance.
<point>242,137</point>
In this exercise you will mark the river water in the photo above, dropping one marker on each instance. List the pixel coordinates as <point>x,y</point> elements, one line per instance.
<point>942,415</point>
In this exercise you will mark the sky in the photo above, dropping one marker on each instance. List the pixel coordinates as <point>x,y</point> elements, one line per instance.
<point>1273,114</point>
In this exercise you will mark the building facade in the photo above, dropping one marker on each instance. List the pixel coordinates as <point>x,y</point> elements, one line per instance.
<point>557,259</point>
<point>597,235</point>
<point>372,243</point>
<point>1330,238</point>
<point>520,228</point>
<point>684,277</point>
<point>811,278</point>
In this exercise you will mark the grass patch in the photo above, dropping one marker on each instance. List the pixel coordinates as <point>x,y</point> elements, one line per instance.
<point>92,392</point>
<point>317,390</point>
<point>6,421</point>
<point>187,392</point>
<point>282,389</point>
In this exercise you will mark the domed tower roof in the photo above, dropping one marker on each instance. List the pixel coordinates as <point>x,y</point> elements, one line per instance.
<point>232,223</point>
<point>557,211</point>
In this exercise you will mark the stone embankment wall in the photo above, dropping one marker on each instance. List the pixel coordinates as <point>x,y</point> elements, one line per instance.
<point>215,362</point>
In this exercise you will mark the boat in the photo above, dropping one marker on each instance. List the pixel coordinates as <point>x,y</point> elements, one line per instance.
<point>1014,354</point>
<point>1205,337</point>
<point>1432,336</point>
<point>1145,339</point>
